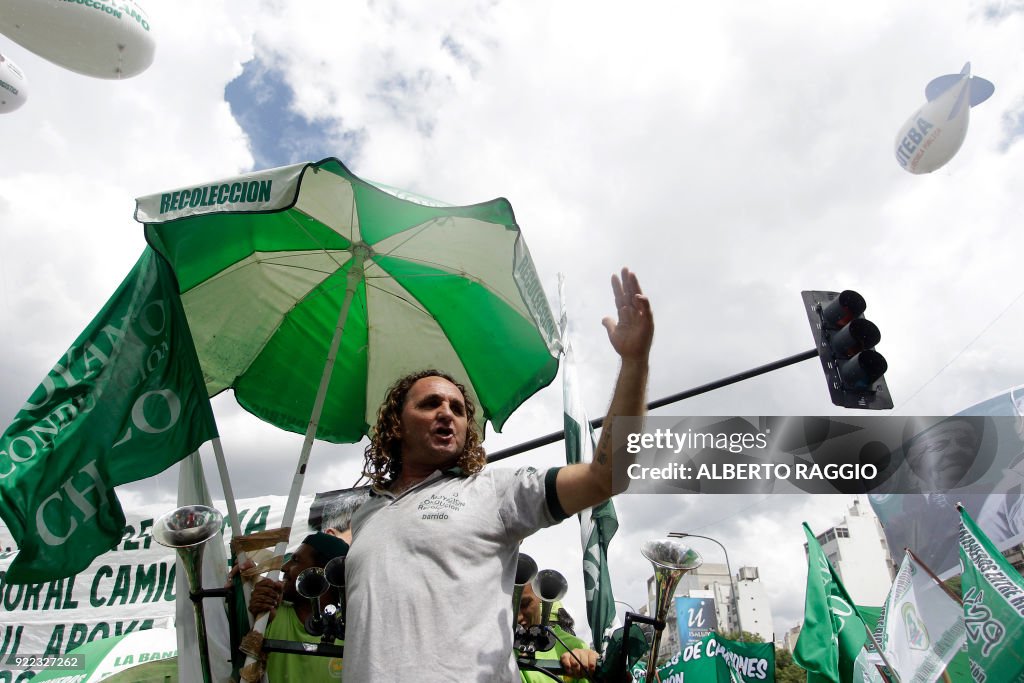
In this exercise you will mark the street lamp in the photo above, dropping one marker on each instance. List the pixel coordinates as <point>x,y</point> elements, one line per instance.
<point>623,602</point>
<point>728,568</point>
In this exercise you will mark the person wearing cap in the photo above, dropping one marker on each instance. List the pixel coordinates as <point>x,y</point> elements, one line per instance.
<point>289,612</point>
<point>576,658</point>
<point>430,574</point>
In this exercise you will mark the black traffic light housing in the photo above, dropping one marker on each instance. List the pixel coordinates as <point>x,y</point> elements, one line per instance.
<point>845,341</point>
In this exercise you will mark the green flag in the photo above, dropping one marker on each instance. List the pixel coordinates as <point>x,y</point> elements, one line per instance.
<point>714,659</point>
<point>599,523</point>
<point>125,402</point>
<point>993,594</point>
<point>832,640</point>
<point>746,662</point>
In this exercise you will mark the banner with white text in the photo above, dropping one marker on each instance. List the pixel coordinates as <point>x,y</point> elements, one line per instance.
<point>129,588</point>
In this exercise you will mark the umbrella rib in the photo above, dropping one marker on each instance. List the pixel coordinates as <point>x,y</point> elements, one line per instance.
<point>410,300</point>
<point>292,216</point>
<point>413,234</point>
<point>274,261</point>
<point>271,261</point>
<point>447,271</point>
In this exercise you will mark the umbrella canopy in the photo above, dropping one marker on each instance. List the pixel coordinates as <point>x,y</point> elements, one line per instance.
<point>106,657</point>
<point>264,262</point>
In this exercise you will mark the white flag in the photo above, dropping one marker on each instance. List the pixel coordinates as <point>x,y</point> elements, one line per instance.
<point>597,524</point>
<point>921,627</point>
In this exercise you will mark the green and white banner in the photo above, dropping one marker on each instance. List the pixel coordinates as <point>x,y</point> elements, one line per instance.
<point>129,588</point>
<point>597,524</point>
<point>125,402</point>
<point>921,627</point>
<point>101,659</point>
<point>993,594</point>
<point>832,641</point>
<point>714,659</point>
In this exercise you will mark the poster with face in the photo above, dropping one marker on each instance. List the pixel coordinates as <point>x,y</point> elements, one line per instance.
<point>334,509</point>
<point>976,458</point>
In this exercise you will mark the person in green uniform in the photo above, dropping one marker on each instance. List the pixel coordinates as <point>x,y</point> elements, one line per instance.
<point>289,611</point>
<point>576,658</point>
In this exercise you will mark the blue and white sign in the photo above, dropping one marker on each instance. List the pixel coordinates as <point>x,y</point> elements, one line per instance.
<point>696,618</point>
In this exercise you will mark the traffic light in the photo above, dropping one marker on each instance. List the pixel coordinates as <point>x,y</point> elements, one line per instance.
<point>845,341</point>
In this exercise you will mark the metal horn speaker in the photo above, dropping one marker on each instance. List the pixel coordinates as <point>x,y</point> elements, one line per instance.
<point>525,571</point>
<point>671,559</point>
<point>187,530</point>
<point>549,585</point>
<point>311,583</point>
<point>334,571</point>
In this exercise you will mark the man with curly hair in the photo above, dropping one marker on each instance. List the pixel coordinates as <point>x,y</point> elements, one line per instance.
<point>441,532</point>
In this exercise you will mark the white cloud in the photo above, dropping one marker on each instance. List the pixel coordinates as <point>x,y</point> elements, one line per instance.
<point>732,155</point>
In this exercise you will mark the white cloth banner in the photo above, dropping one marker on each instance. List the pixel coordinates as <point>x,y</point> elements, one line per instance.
<point>921,627</point>
<point>129,588</point>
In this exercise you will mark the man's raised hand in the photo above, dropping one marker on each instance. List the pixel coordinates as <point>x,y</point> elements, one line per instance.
<point>632,333</point>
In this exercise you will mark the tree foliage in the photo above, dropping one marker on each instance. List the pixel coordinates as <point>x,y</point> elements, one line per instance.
<point>742,636</point>
<point>786,670</point>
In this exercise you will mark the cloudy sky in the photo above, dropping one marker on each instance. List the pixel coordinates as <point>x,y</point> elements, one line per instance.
<point>732,154</point>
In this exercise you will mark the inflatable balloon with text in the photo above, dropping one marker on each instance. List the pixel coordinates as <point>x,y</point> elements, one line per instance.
<point>102,38</point>
<point>935,132</point>
<point>12,85</point>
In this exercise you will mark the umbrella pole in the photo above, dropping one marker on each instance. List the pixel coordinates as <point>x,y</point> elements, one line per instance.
<point>355,275</point>
<point>236,526</point>
<point>225,483</point>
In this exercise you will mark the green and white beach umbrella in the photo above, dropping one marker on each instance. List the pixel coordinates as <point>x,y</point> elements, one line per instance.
<point>103,659</point>
<point>309,291</point>
<point>273,265</point>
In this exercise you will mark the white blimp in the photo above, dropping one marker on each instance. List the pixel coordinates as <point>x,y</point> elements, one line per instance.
<point>101,38</point>
<point>935,132</point>
<point>13,87</point>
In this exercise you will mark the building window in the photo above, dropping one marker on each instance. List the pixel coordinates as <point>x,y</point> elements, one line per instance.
<point>842,532</point>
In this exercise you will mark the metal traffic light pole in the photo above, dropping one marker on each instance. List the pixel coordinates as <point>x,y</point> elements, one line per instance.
<point>844,342</point>
<point>696,391</point>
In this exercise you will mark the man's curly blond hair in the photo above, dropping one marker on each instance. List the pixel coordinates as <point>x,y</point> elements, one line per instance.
<point>383,457</point>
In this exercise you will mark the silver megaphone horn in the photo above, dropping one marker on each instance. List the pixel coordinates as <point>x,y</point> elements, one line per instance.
<point>525,571</point>
<point>187,530</point>
<point>671,559</point>
<point>550,586</point>
<point>334,572</point>
<point>311,583</point>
